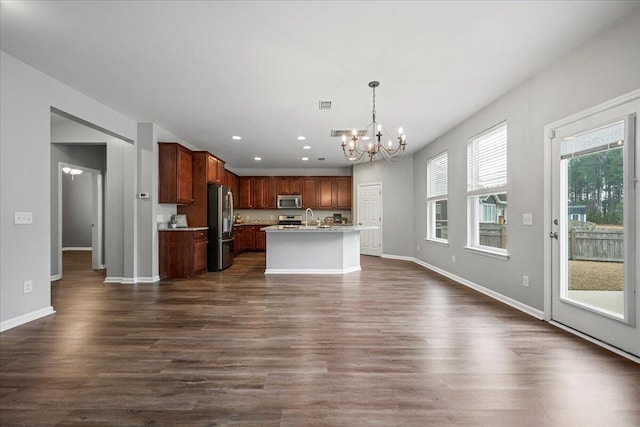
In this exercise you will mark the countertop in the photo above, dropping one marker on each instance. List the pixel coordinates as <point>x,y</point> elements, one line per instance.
<point>315,228</point>
<point>185,229</point>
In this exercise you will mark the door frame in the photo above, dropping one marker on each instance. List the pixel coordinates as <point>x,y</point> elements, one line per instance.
<point>358,218</point>
<point>549,134</point>
<point>97,202</point>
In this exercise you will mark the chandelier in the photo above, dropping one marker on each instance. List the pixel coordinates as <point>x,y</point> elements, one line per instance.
<point>374,150</point>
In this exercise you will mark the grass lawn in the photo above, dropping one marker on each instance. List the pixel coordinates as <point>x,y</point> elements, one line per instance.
<point>596,276</point>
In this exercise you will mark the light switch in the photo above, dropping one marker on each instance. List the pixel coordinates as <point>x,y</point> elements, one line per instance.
<point>23,218</point>
<point>527,219</point>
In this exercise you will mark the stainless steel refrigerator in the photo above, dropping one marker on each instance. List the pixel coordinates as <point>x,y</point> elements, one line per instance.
<point>220,222</point>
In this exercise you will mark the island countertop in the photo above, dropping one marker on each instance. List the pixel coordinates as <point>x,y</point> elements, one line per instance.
<point>317,229</point>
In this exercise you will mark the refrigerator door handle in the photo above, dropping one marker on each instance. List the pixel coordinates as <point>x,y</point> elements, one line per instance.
<point>227,240</point>
<point>232,218</point>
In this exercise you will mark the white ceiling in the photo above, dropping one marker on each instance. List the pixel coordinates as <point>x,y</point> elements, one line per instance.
<point>208,70</point>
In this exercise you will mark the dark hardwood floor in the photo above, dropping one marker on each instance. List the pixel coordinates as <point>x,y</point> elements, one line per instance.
<point>394,344</point>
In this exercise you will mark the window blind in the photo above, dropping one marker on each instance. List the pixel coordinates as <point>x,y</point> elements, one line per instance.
<point>487,160</point>
<point>437,176</point>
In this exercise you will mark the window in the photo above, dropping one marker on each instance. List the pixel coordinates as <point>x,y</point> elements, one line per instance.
<point>487,191</point>
<point>437,184</point>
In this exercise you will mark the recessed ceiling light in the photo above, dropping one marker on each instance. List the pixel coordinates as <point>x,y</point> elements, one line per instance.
<point>236,137</point>
<point>307,147</point>
<point>257,159</point>
<point>305,159</point>
<point>302,138</point>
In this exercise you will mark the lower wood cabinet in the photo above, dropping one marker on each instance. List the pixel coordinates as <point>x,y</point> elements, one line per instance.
<point>249,238</point>
<point>182,253</point>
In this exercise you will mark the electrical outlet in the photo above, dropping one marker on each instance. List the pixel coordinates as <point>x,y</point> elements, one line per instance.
<point>28,286</point>
<point>453,258</point>
<point>527,219</point>
<point>23,218</point>
<point>525,281</point>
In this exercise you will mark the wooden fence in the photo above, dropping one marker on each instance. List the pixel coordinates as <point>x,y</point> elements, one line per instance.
<point>493,235</point>
<point>596,245</point>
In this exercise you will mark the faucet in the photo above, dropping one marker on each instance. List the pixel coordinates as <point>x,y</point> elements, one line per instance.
<point>306,216</point>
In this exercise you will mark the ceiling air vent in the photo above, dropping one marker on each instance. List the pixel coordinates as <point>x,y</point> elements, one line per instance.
<point>324,105</point>
<point>321,158</point>
<point>347,132</point>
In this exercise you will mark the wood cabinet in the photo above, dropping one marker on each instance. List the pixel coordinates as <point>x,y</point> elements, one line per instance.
<point>215,170</point>
<point>318,192</point>
<point>342,193</point>
<point>238,240</point>
<point>310,193</point>
<point>289,185</point>
<point>265,193</point>
<point>249,235</point>
<point>212,169</point>
<point>175,174</point>
<point>220,172</point>
<point>260,239</point>
<point>249,238</point>
<point>197,211</point>
<point>182,253</point>
<point>245,192</point>
<point>325,192</point>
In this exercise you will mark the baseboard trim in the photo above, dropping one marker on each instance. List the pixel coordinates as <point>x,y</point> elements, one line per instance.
<point>400,257</point>
<point>602,344</point>
<point>538,314</point>
<point>311,271</point>
<point>55,277</point>
<point>26,318</point>
<point>134,280</point>
<point>131,280</point>
<point>76,248</point>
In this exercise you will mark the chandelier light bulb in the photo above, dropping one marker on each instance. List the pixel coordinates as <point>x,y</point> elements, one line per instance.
<point>399,131</point>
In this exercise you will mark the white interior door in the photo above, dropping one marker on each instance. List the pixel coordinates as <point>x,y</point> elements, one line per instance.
<point>370,214</point>
<point>594,240</point>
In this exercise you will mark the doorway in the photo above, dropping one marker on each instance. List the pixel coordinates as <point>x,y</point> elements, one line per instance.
<point>370,214</point>
<point>593,239</point>
<point>80,212</point>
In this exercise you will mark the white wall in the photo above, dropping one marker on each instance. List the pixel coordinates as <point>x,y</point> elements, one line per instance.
<point>397,201</point>
<point>601,69</point>
<point>27,97</point>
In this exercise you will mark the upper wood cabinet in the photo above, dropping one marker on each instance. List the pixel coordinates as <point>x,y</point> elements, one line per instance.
<point>289,185</point>
<point>342,193</point>
<point>265,192</point>
<point>325,192</point>
<point>318,192</point>
<point>212,169</point>
<point>310,192</point>
<point>245,193</point>
<point>215,170</point>
<point>175,174</point>
<point>220,172</point>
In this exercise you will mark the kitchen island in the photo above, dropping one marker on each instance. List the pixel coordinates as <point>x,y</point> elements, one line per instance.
<point>313,249</point>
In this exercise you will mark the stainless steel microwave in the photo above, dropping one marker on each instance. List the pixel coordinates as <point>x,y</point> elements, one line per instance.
<point>289,201</point>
